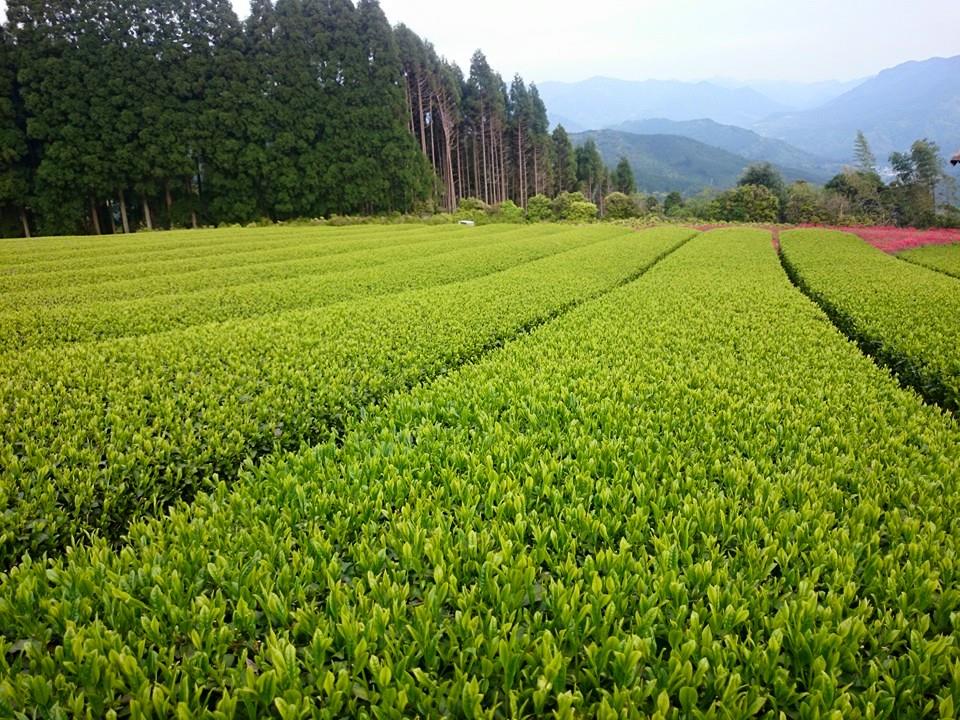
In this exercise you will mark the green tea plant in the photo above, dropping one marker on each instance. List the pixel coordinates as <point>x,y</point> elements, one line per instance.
<point>245,259</point>
<point>902,314</point>
<point>691,497</point>
<point>316,282</point>
<point>96,433</point>
<point>943,258</point>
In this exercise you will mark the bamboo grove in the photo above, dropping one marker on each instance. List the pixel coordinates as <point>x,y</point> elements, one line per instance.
<point>119,116</point>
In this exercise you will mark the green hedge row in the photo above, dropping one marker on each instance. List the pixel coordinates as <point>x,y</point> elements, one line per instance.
<point>238,255</point>
<point>316,282</point>
<point>900,313</point>
<point>53,253</point>
<point>690,498</point>
<point>96,433</point>
<point>943,258</point>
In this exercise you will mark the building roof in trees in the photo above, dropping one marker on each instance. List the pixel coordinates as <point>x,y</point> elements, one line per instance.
<point>955,160</point>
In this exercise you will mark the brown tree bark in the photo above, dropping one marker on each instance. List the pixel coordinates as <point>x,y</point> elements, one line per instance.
<point>123,213</point>
<point>193,211</point>
<point>25,222</point>
<point>146,211</point>
<point>423,136</point>
<point>521,162</point>
<point>446,126</point>
<point>483,149</point>
<point>95,216</point>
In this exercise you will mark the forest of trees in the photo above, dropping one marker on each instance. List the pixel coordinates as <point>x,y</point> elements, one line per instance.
<point>118,115</point>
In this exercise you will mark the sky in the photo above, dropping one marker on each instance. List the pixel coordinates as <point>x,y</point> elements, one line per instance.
<point>796,41</point>
<point>787,40</point>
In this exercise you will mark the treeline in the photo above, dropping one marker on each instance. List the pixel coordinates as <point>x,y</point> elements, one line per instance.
<point>115,116</point>
<point>917,193</point>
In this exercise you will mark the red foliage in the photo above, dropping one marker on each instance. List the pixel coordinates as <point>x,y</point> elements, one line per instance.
<point>895,239</point>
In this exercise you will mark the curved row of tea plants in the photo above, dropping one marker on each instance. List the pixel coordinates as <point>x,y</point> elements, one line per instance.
<point>323,260</point>
<point>241,253</point>
<point>691,498</point>
<point>942,258</point>
<point>89,251</point>
<point>96,433</point>
<point>377,273</point>
<point>900,313</point>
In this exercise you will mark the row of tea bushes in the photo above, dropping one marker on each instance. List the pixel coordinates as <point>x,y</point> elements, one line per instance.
<point>233,263</point>
<point>942,258</point>
<point>690,498</point>
<point>97,433</point>
<point>900,313</point>
<point>367,273</point>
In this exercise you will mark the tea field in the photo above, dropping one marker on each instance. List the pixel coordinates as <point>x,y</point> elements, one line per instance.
<point>501,471</point>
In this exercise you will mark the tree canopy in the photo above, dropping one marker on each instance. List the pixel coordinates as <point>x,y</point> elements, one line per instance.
<point>174,113</point>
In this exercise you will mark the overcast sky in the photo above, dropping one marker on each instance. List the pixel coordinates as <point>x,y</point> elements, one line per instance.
<point>804,40</point>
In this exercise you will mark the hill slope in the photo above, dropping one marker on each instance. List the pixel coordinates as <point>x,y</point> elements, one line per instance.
<point>739,141</point>
<point>898,106</point>
<point>662,163</point>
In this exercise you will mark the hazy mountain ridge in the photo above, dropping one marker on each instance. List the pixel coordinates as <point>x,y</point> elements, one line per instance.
<point>894,108</point>
<point>736,140</point>
<point>601,102</point>
<point>662,163</point>
<point>796,95</point>
<point>899,105</point>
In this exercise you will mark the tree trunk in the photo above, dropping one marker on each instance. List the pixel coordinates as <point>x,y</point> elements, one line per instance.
<point>123,213</point>
<point>95,216</point>
<point>483,149</point>
<point>169,200</point>
<point>423,135</point>
<point>25,222</point>
<point>146,211</point>
<point>193,210</point>
<point>521,181</point>
<point>536,171</point>
<point>446,128</point>
<point>458,183</point>
<point>433,141</point>
<point>113,220</point>
<point>406,96</point>
<point>503,164</point>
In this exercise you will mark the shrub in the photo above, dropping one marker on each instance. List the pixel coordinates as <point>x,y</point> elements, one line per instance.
<point>620,206</point>
<point>509,212</point>
<point>539,209</point>
<point>581,212</point>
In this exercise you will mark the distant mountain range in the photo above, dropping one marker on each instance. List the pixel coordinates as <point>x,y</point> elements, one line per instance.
<point>797,95</point>
<point>739,141</point>
<point>804,128</point>
<point>602,102</point>
<point>662,163</point>
<point>902,104</point>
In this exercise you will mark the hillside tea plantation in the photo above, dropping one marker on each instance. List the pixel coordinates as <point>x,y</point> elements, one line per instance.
<point>489,472</point>
<point>945,258</point>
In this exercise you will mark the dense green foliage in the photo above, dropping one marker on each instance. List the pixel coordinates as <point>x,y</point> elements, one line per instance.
<point>96,433</point>
<point>944,258</point>
<point>746,203</point>
<point>276,287</point>
<point>689,498</point>
<point>116,116</point>
<point>903,314</point>
<point>619,206</point>
<point>919,195</point>
<point>175,113</point>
